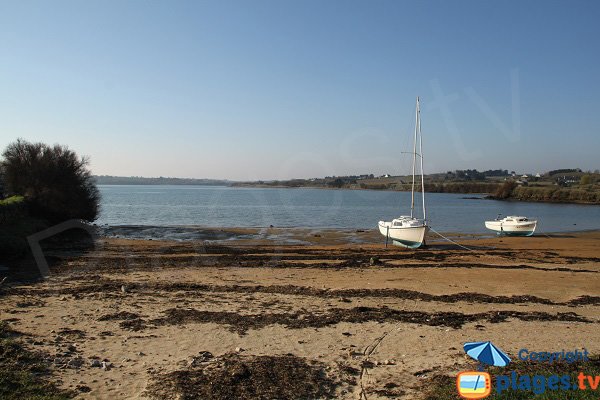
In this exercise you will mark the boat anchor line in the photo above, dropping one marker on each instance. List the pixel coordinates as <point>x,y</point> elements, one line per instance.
<point>450,240</point>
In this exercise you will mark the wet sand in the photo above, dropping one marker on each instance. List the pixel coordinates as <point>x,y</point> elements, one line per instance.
<point>381,320</point>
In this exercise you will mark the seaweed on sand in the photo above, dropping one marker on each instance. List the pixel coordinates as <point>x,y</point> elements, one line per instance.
<point>241,377</point>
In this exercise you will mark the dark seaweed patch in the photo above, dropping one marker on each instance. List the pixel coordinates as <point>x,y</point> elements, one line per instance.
<point>241,323</point>
<point>235,376</point>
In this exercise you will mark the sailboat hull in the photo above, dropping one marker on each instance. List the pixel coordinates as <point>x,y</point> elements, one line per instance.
<point>411,236</point>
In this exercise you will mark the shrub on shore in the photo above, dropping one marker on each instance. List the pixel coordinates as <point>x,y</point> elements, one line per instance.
<point>54,181</point>
<point>556,195</point>
<point>48,184</point>
<point>454,187</point>
<point>505,190</point>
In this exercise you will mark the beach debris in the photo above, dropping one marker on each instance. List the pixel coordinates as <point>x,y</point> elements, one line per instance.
<point>202,357</point>
<point>76,362</point>
<point>83,389</point>
<point>241,323</point>
<point>374,261</point>
<point>239,350</point>
<point>129,321</point>
<point>245,377</point>
<point>95,363</point>
<point>123,289</point>
<point>390,390</point>
<point>106,365</point>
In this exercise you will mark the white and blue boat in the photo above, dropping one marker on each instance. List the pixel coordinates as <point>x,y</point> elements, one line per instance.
<point>512,226</point>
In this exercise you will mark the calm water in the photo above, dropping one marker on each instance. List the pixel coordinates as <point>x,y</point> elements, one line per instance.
<point>213,206</point>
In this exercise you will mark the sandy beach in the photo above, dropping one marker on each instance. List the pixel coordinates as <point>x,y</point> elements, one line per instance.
<point>381,322</point>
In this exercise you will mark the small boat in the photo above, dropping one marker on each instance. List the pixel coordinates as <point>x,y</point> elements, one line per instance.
<point>512,226</point>
<point>409,231</point>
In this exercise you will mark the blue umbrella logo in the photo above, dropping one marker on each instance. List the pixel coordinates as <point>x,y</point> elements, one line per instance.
<point>486,353</point>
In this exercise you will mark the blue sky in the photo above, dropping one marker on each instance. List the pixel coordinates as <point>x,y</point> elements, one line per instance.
<point>282,89</point>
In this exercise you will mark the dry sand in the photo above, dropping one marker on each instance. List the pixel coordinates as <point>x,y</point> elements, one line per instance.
<point>149,307</point>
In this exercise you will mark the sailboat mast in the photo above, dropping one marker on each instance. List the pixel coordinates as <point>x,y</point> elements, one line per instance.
<point>421,155</point>
<point>412,198</point>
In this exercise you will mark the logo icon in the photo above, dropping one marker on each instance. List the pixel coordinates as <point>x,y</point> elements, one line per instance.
<point>473,385</point>
<point>478,385</point>
<point>486,353</point>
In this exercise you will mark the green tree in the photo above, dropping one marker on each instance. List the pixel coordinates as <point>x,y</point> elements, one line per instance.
<point>55,181</point>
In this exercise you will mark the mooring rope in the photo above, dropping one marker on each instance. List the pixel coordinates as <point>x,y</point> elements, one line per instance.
<point>450,240</point>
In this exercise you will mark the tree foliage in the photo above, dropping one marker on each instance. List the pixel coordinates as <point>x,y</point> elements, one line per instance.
<point>55,181</point>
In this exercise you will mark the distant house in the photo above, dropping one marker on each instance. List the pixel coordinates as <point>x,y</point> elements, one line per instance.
<point>538,175</point>
<point>385,176</point>
<point>524,176</point>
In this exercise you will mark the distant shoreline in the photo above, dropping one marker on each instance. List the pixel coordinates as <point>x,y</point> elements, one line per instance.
<point>138,180</point>
<point>516,197</point>
<point>534,193</point>
<point>485,195</point>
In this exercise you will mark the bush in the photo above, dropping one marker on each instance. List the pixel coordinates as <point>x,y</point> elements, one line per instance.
<point>586,180</point>
<point>505,190</point>
<point>55,182</point>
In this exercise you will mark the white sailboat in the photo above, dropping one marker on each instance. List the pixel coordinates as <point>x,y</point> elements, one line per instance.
<point>409,231</point>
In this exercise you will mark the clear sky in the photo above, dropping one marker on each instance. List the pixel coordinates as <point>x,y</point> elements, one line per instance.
<point>258,89</point>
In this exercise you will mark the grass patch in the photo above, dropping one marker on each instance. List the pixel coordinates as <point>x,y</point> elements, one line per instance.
<point>12,200</point>
<point>23,374</point>
<point>444,387</point>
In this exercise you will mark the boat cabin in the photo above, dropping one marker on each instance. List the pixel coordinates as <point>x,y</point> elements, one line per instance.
<point>515,219</point>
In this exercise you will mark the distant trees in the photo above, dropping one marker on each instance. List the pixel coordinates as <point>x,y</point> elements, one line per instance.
<point>474,175</point>
<point>564,171</point>
<point>505,190</point>
<point>54,180</point>
<point>337,183</point>
<point>496,172</point>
